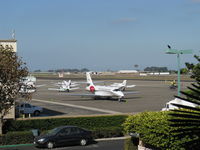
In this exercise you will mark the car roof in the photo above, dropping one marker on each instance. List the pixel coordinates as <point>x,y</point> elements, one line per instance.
<point>68,126</point>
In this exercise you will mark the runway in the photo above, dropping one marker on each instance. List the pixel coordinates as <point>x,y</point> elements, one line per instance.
<point>152,96</point>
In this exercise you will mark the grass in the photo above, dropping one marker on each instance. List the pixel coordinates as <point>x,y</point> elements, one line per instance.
<point>81,76</point>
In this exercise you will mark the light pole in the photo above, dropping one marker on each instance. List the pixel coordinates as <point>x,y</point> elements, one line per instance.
<point>178,52</point>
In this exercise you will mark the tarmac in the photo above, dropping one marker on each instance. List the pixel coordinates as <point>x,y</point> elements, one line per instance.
<point>152,96</point>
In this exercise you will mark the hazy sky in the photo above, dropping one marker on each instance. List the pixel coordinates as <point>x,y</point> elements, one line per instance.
<point>101,34</point>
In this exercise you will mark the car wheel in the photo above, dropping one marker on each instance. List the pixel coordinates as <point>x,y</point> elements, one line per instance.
<point>83,142</point>
<point>36,113</point>
<point>50,145</point>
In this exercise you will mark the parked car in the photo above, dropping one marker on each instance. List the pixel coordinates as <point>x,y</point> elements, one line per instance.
<point>26,108</point>
<point>64,135</point>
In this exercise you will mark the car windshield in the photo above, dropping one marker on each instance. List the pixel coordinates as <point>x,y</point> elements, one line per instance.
<point>54,131</point>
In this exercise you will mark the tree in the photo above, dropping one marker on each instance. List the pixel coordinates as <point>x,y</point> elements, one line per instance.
<point>187,119</point>
<point>184,70</point>
<point>12,69</point>
<point>156,69</point>
<point>195,69</point>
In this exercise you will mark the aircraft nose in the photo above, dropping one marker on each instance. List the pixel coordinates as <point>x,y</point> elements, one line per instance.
<point>120,94</point>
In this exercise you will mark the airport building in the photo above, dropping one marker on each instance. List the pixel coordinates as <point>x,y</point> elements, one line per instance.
<point>9,44</point>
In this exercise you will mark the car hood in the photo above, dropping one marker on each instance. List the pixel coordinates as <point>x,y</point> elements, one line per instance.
<point>46,136</point>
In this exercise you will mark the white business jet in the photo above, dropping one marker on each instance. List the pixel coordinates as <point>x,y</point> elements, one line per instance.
<point>122,86</point>
<point>65,86</point>
<point>104,91</point>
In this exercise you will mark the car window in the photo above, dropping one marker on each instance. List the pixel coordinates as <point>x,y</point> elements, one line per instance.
<point>65,131</point>
<point>75,131</point>
<point>27,105</point>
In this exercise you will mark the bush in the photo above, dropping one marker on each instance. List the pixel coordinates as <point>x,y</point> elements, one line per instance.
<point>154,130</point>
<point>102,127</point>
<point>107,132</point>
<point>47,124</point>
<point>16,138</point>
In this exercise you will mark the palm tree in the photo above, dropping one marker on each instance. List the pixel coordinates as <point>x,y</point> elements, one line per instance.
<point>185,122</point>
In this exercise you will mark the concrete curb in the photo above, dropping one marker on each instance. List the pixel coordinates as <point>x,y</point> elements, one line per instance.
<point>6,146</point>
<point>98,140</point>
<point>112,139</point>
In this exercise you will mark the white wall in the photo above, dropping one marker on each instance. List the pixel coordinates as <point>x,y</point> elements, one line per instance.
<point>10,44</point>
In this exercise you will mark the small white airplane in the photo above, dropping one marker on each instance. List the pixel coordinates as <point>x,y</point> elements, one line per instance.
<point>122,86</point>
<point>103,91</point>
<point>65,86</point>
<point>24,89</point>
<point>29,82</point>
<point>98,91</point>
<point>169,105</point>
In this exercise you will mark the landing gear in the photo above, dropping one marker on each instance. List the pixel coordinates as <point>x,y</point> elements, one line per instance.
<point>121,100</point>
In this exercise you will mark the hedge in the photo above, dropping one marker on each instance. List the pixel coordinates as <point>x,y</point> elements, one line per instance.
<point>19,131</point>
<point>13,138</point>
<point>25,137</point>
<point>154,130</point>
<point>47,124</point>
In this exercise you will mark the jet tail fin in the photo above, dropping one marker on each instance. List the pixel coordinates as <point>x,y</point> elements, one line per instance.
<point>89,79</point>
<point>124,82</point>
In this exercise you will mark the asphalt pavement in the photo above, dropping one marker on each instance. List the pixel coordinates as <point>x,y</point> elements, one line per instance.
<point>101,145</point>
<point>152,96</point>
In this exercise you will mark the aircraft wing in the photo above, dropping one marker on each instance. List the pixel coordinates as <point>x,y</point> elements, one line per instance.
<point>53,89</point>
<point>131,92</point>
<point>85,82</point>
<point>115,84</point>
<point>130,86</point>
<point>40,85</point>
<point>75,88</point>
<point>82,94</point>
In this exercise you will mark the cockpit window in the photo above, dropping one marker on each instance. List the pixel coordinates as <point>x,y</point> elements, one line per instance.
<point>116,90</point>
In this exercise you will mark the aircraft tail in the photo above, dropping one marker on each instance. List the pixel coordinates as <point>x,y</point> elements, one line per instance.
<point>70,82</point>
<point>124,83</point>
<point>89,79</point>
<point>66,83</point>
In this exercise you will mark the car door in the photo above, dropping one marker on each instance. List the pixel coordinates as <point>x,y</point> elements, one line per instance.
<point>27,109</point>
<point>75,135</point>
<point>63,137</point>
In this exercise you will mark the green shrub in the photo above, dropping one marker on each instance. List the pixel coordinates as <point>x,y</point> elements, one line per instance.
<point>47,124</point>
<point>154,130</point>
<point>12,138</point>
<point>102,127</point>
<point>107,132</point>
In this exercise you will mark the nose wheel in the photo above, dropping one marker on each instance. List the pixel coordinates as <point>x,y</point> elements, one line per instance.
<point>120,100</point>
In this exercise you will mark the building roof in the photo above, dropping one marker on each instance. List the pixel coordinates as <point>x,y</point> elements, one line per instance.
<point>10,40</point>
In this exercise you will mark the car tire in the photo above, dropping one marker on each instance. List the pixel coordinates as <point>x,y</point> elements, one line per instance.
<point>50,145</point>
<point>36,113</point>
<point>83,142</point>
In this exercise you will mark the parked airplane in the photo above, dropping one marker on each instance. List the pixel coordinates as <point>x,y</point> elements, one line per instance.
<point>28,85</point>
<point>122,86</point>
<point>104,91</point>
<point>24,89</point>
<point>169,105</point>
<point>65,86</point>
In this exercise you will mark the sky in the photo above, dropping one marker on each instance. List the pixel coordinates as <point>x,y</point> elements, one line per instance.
<point>101,34</point>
